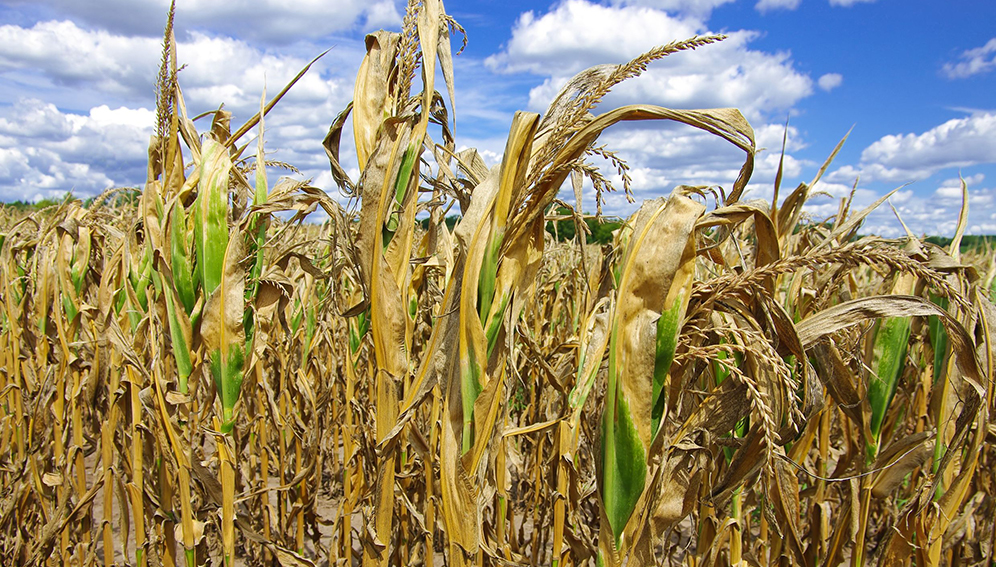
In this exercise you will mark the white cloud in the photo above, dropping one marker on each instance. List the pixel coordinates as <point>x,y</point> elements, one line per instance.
<point>901,158</point>
<point>45,152</point>
<point>381,15</point>
<point>960,142</point>
<point>269,21</point>
<point>577,34</point>
<point>879,172</point>
<point>72,56</point>
<point>973,62</point>
<point>764,6</point>
<point>927,213</point>
<point>830,81</point>
<point>951,188</point>
<point>937,214</point>
<point>89,147</point>
<point>221,69</point>
<point>79,66</point>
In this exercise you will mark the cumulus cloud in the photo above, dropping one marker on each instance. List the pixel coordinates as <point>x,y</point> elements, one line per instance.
<point>88,147</point>
<point>269,21</point>
<point>764,6</point>
<point>973,62</point>
<point>577,34</point>
<point>960,142</point>
<point>45,152</point>
<point>937,213</point>
<point>82,68</point>
<point>830,81</point>
<point>222,69</point>
<point>903,158</point>
<point>72,56</point>
<point>926,211</point>
<point>381,15</point>
<point>930,214</point>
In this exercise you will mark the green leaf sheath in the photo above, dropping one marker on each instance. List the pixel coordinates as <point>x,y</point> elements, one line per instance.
<point>889,354</point>
<point>227,374</point>
<point>668,327</point>
<point>624,464</point>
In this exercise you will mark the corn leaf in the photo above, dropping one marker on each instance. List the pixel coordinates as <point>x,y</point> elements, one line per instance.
<point>211,233</point>
<point>223,332</point>
<point>654,279</point>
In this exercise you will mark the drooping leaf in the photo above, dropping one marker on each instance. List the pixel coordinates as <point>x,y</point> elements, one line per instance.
<point>654,277</point>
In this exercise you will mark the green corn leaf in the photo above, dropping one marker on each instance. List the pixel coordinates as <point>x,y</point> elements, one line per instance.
<point>180,338</point>
<point>668,327</point>
<point>654,284</point>
<point>180,245</point>
<point>358,327</point>
<point>888,356</point>
<point>69,308</point>
<point>486,283</point>
<point>211,232</point>
<point>496,322</point>
<point>624,463</point>
<point>890,339</point>
<point>719,369</point>
<point>222,278</point>
<point>310,324</point>
<point>401,183</point>
<point>938,338</point>
<point>590,355</point>
<point>505,261</point>
<point>224,334</point>
<point>22,288</point>
<point>227,374</point>
<point>257,234</point>
<point>485,277</point>
<point>471,388</point>
<point>139,276</point>
<point>298,317</point>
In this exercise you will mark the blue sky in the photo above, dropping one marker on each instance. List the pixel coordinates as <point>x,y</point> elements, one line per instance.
<point>914,78</point>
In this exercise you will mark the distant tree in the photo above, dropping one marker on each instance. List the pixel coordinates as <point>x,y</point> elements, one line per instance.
<point>969,242</point>
<point>33,206</point>
<point>450,221</point>
<point>600,231</point>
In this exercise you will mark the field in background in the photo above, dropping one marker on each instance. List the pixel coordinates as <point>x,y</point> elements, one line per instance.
<point>192,375</point>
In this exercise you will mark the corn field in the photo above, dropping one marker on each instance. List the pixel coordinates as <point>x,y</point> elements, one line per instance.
<point>195,374</point>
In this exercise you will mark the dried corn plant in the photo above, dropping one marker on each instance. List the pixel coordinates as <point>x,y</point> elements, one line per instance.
<point>191,374</point>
